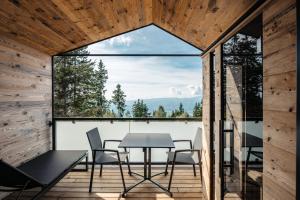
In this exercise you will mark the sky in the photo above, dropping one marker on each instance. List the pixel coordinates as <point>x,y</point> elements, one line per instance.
<point>150,77</point>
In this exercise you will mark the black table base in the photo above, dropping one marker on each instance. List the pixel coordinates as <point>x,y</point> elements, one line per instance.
<point>147,174</point>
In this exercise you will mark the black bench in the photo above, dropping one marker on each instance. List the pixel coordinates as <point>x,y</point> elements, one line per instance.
<point>43,171</point>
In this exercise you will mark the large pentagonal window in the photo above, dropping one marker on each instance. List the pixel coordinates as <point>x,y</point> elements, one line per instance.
<point>145,73</point>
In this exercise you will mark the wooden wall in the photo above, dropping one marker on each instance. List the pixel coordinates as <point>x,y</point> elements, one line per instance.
<point>279,103</point>
<point>206,159</point>
<point>25,102</point>
<point>279,40</point>
<point>217,119</point>
<point>206,127</point>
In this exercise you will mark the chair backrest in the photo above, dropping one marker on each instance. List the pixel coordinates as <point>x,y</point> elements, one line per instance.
<point>197,140</point>
<point>13,177</point>
<point>94,139</point>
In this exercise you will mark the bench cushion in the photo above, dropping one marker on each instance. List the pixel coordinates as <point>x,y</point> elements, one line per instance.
<point>51,165</point>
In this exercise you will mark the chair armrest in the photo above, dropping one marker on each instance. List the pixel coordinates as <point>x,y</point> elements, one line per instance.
<point>108,150</point>
<point>119,141</point>
<point>186,150</point>
<point>189,141</point>
<point>111,141</point>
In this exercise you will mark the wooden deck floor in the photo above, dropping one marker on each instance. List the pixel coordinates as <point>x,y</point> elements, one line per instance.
<point>108,187</point>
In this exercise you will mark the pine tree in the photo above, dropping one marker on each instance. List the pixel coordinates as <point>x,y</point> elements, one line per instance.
<point>118,99</point>
<point>197,111</point>
<point>127,114</point>
<point>73,80</point>
<point>102,104</point>
<point>139,109</point>
<point>179,113</point>
<point>181,109</point>
<point>160,112</point>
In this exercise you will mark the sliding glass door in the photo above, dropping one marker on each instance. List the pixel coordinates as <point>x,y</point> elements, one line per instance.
<point>241,113</point>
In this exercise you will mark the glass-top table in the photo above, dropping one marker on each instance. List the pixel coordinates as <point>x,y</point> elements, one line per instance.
<point>147,141</point>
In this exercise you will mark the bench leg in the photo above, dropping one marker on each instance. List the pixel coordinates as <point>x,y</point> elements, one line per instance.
<point>21,192</point>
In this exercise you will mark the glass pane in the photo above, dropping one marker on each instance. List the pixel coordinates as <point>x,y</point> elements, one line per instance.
<point>242,62</point>
<point>147,40</point>
<point>85,86</point>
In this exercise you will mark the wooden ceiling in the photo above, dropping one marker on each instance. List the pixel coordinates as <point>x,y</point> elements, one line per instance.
<point>56,26</point>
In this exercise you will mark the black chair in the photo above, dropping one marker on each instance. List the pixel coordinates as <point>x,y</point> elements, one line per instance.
<point>190,156</point>
<point>104,156</point>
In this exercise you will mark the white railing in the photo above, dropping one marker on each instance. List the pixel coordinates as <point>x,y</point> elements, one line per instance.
<point>71,135</point>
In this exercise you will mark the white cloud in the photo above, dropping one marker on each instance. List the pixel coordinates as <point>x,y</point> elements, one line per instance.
<point>120,40</point>
<point>150,77</point>
<point>175,91</point>
<point>194,90</point>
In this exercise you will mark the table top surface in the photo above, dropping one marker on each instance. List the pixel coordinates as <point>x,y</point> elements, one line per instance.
<point>147,140</point>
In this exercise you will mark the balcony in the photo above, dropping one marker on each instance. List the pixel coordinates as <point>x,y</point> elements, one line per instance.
<point>108,187</point>
<point>248,52</point>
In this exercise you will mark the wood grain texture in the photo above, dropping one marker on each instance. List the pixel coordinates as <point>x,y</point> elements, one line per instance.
<point>198,21</point>
<point>206,130</point>
<point>25,102</point>
<point>58,26</point>
<point>109,186</point>
<point>218,115</point>
<point>279,94</point>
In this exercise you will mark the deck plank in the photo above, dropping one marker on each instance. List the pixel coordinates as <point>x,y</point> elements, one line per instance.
<point>108,187</point>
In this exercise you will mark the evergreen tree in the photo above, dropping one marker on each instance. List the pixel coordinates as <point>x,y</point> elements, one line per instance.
<point>139,109</point>
<point>102,104</point>
<point>160,112</point>
<point>73,79</point>
<point>110,114</point>
<point>179,112</point>
<point>118,99</point>
<point>197,111</point>
<point>246,60</point>
<point>181,109</point>
<point>127,114</point>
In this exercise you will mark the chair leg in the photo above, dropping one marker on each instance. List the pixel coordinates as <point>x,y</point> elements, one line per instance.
<point>171,176</point>
<point>194,169</point>
<point>122,176</point>
<point>200,167</point>
<point>167,165</point>
<point>101,167</point>
<point>200,164</point>
<point>92,173</point>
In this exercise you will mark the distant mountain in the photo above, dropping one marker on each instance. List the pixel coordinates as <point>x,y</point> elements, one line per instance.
<point>169,104</point>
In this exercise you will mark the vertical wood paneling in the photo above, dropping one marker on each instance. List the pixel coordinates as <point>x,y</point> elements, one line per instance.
<point>279,40</point>
<point>25,102</point>
<point>206,127</point>
<point>217,119</point>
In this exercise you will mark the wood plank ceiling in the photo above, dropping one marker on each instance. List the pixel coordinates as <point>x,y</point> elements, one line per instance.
<point>56,26</point>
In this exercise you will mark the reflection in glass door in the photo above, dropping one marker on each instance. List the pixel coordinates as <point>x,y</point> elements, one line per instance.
<point>242,113</point>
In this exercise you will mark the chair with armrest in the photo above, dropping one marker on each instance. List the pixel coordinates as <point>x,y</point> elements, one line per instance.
<point>104,156</point>
<point>190,156</point>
